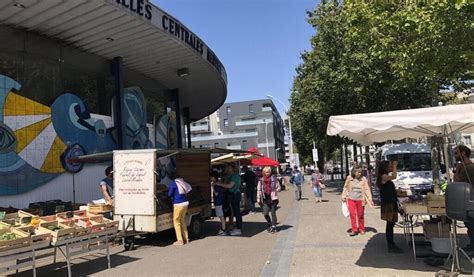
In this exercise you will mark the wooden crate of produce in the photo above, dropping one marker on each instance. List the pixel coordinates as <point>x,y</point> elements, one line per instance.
<point>4,225</point>
<point>37,235</point>
<point>78,229</point>
<point>415,208</point>
<point>19,218</point>
<point>99,208</point>
<point>57,230</point>
<point>109,224</point>
<point>93,224</point>
<point>10,238</point>
<point>437,206</point>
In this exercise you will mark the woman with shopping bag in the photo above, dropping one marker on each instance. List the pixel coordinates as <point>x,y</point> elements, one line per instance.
<point>357,194</point>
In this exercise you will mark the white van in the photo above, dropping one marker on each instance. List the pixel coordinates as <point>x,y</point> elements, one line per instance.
<point>414,165</point>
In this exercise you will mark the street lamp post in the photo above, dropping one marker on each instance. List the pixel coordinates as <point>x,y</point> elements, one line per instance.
<point>289,124</point>
<point>266,136</point>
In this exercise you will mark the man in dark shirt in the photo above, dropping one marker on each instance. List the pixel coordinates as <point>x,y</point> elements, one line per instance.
<point>250,179</point>
<point>465,173</point>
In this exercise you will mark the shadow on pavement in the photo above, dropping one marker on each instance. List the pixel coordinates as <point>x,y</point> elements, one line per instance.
<point>367,230</point>
<point>209,229</point>
<point>376,255</point>
<point>80,267</point>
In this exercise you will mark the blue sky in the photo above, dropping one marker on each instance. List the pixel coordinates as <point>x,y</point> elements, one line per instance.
<point>258,41</point>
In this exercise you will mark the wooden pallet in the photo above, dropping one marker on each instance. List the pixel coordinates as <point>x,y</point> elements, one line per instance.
<point>21,240</point>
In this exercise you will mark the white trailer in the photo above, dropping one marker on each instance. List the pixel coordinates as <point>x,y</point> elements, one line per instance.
<point>141,183</point>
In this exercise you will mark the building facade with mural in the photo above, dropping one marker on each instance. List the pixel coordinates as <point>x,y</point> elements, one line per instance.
<point>82,77</point>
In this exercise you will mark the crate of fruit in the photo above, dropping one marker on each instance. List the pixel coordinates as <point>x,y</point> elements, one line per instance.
<point>37,235</point>
<point>109,224</point>
<point>58,231</point>
<point>79,230</point>
<point>19,218</point>
<point>10,238</point>
<point>88,222</point>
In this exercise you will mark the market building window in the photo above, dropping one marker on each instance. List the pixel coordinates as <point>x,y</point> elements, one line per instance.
<point>226,122</point>
<point>251,110</point>
<point>228,109</point>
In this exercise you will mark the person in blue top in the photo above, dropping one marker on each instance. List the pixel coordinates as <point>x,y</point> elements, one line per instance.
<point>218,197</point>
<point>107,185</point>
<point>180,208</point>
<point>298,179</point>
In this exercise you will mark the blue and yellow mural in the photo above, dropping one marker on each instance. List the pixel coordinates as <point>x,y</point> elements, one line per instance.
<point>36,141</point>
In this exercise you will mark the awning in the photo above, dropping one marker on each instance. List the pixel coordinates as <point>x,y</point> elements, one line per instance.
<point>107,156</point>
<point>150,41</point>
<point>368,128</point>
<point>233,157</point>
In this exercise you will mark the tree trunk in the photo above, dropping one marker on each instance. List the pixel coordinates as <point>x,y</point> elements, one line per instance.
<point>354,150</point>
<point>367,155</point>
<point>347,162</point>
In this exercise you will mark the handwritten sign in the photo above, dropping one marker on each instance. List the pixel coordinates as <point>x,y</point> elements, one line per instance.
<point>134,182</point>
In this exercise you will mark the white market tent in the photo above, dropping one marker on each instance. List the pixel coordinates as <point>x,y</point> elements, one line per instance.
<point>368,128</point>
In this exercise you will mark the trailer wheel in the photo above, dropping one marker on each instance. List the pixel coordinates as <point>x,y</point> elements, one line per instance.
<point>129,243</point>
<point>195,227</point>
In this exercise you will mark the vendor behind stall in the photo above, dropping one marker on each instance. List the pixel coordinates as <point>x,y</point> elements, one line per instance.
<point>107,185</point>
<point>465,173</point>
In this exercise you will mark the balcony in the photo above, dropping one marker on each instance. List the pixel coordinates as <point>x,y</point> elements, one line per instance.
<point>227,136</point>
<point>253,122</point>
<point>199,128</point>
<point>234,147</point>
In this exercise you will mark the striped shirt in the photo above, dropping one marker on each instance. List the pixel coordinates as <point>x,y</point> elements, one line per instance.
<point>356,192</point>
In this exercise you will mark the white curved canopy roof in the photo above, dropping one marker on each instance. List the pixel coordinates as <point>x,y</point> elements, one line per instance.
<point>368,128</point>
<point>149,40</point>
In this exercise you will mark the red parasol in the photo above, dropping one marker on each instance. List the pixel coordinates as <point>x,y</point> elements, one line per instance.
<point>263,161</point>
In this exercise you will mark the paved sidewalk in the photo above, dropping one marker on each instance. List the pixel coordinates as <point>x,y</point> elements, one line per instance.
<point>319,244</point>
<point>313,240</point>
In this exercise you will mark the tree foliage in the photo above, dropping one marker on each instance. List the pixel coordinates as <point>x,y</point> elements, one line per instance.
<point>370,56</point>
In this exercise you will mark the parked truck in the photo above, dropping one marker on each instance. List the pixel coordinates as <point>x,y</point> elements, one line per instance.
<point>414,165</point>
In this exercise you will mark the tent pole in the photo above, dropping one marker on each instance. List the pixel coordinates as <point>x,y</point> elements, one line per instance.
<point>446,158</point>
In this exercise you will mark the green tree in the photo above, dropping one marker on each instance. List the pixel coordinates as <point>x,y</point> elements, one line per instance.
<point>378,56</point>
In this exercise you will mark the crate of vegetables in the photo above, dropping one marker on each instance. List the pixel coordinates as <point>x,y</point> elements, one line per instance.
<point>37,235</point>
<point>58,231</point>
<point>79,230</point>
<point>10,238</point>
<point>88,222</point>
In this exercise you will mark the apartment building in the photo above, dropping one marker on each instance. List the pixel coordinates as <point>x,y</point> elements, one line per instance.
<point>243,125</point>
